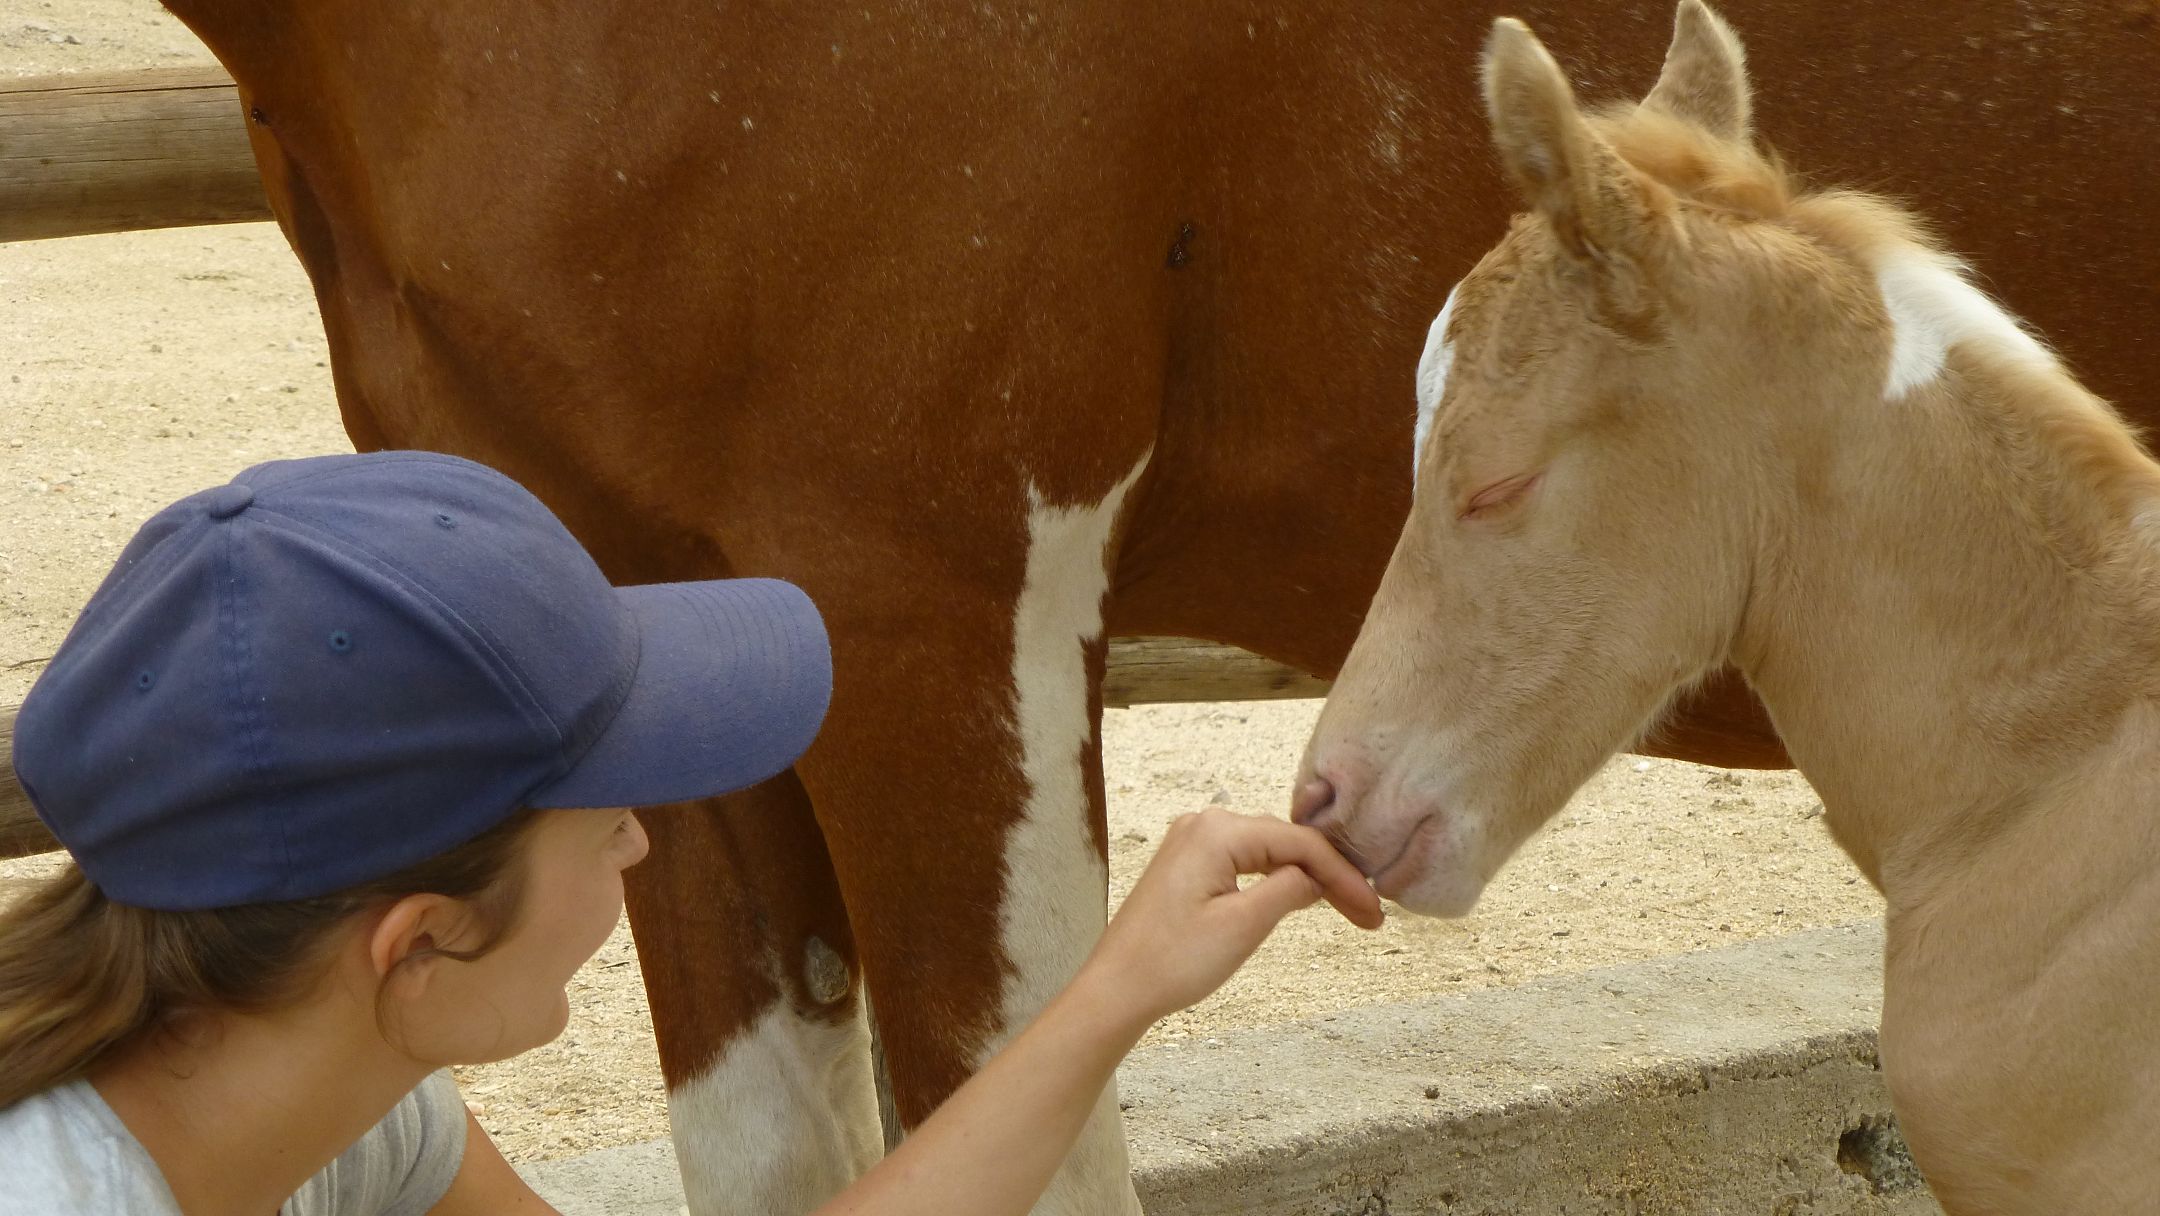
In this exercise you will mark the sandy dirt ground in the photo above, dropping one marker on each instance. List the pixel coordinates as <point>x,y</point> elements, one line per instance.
<point>142,367</point>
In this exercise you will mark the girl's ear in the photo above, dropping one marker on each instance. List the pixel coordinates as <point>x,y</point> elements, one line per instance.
<point>407,935</point>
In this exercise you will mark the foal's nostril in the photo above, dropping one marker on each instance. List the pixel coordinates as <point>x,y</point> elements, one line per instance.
<point>1314,798</point>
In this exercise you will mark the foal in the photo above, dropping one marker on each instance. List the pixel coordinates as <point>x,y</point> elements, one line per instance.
<point>1688,413</point>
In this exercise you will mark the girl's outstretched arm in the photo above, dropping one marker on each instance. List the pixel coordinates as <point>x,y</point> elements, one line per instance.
<point>994,1145</point>
<point>486,1185</point>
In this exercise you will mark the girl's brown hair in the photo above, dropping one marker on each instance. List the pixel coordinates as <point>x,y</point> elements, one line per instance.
<point>81,975</point>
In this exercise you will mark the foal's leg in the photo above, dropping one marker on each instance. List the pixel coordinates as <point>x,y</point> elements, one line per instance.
<point>958,778</point>
<point>750,972</point>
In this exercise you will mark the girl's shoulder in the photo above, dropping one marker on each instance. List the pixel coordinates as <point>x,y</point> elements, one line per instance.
<point>401,1167</point>
<point>69,1155</point>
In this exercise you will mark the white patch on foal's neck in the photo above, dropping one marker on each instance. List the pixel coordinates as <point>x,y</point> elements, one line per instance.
<point>784,1121</point>
<point>2145,523</point>
<point>1932,308</point>
<point>1432,373</point>
<point>1055,884</point>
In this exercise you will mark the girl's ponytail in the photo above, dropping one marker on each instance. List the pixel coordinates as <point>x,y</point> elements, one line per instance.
<point>81,975</point>
<point>74,971</point>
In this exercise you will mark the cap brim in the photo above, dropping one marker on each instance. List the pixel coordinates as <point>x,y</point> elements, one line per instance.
<point>732,681</point>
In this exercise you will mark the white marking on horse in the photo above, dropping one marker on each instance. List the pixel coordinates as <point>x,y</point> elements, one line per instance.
<point>2145,524</point>
<point>1933,307</point>
<point>1056,885</point>
<point>1432,373</point>
<point>784,1121</point>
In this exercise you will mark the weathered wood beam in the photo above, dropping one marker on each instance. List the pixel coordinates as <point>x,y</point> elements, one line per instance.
<point>1149,671</point>
<point>116,151</point>
<point>20,832</point>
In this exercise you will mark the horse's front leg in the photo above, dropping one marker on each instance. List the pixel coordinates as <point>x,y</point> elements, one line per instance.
<point>959,781</point>
<point>751,975</point>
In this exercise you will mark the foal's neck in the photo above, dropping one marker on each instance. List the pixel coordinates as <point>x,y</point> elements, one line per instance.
<point>1970,611</point>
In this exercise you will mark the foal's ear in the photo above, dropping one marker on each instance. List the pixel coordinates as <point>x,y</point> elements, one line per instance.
<point>1705,78</point>
<point>1564,170</point>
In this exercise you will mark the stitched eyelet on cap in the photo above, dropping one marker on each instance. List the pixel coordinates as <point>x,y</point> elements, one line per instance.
<point>145,680</point>
<point>340,641</point>
<point>443,520</point>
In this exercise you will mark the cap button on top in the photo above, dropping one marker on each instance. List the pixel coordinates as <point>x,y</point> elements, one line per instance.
<point>228,501</point>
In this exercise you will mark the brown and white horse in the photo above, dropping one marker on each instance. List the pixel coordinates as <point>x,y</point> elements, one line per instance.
<point>1689,413</point>
<point>999,327</point>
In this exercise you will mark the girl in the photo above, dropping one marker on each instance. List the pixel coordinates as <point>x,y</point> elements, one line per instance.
<point>320,747</point>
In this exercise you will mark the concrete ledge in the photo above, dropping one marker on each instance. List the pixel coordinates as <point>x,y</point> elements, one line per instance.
<point>633,1180</point>
<point>1734,1081</point>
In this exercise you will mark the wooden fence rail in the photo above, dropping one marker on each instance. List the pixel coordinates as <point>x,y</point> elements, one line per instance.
<point>116,151</point>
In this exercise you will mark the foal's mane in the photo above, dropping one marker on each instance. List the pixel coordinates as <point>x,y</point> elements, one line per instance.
<point>1749,182</point>
<point>2091,441</point>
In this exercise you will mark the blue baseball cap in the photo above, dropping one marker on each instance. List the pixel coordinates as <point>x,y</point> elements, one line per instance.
<point>334,668</point>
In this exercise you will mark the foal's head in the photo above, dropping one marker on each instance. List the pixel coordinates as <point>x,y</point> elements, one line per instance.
<point>1617,406</point>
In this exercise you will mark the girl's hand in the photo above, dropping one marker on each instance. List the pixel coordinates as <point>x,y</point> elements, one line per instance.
<point>1188,925</point>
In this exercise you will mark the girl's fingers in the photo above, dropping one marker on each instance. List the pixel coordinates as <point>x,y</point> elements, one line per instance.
<point>1358,904</point>
<point>1278,895</point>
<point>1264,846</point>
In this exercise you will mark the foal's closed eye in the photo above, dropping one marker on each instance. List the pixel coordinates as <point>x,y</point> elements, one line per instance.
<point>1500,494</point>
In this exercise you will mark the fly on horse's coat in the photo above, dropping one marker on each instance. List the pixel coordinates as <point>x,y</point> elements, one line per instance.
<point>1690,413</point>
<point>1002,329</point>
